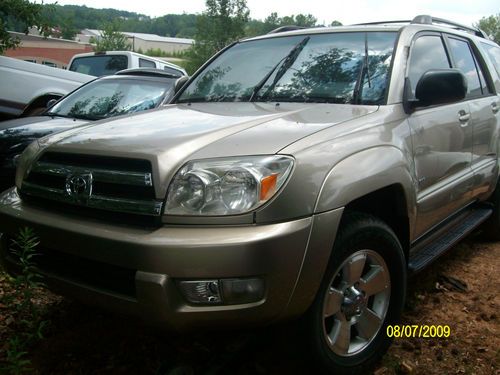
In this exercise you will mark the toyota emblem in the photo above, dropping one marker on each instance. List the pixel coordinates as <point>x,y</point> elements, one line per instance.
<point>79,187</point>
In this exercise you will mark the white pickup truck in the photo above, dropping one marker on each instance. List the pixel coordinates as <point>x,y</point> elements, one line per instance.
<point>26,88</point>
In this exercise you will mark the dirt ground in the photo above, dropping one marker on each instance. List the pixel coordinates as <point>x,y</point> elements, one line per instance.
<point>460,290</point>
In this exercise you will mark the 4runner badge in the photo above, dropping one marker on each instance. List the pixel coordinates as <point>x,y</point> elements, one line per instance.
<point>79,187</point>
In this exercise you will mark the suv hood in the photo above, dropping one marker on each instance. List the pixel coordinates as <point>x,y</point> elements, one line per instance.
<point>170,136</point>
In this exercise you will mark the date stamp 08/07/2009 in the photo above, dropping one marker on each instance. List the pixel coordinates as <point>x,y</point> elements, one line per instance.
<point>415,330</point>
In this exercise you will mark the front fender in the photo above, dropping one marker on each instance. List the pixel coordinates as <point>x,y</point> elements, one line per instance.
<point>365,172</point>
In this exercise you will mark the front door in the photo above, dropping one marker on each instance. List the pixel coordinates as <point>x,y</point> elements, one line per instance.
<point>442,142</point>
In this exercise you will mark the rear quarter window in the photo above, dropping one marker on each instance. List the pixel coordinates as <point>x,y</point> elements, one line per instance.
<point>143,63</point>
<point>494,55</point>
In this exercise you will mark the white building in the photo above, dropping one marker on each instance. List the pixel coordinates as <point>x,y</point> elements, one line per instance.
<point>144,41</point>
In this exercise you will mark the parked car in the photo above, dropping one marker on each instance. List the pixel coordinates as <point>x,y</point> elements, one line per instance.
<point>104,63</point>
<point>126,92</point>
<point>300,173</point>
<point>26,88</point>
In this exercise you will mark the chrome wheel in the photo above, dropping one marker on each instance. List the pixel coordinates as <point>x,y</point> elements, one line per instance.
<point>356,302</point>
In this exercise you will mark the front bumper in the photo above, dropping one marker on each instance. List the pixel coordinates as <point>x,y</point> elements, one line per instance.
<point>95,261</point>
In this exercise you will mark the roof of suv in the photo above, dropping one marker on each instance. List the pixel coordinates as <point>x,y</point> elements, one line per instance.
<point>426,21</point>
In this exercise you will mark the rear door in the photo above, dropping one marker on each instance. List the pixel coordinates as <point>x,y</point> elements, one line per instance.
<point>485,118</point>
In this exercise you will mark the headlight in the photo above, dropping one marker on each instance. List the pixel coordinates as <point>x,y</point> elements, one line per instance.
<point>24,162</point>
<point>226,186</point>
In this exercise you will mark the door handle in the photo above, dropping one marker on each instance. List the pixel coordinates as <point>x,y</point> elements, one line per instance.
<point>494,107</point>
<point>464,118</point>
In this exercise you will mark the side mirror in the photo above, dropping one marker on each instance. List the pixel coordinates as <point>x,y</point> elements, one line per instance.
<point>50,103</point>
<point>180,83</point>
<point>437,87</point>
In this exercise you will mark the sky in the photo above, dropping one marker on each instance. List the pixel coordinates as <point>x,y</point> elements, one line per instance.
<point>347,12</point>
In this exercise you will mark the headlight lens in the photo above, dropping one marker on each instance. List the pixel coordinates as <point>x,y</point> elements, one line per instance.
<point>24,162</point>
<point>226,186</point>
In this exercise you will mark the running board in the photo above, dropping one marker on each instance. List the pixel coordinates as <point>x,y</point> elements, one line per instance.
<point>427,250</point>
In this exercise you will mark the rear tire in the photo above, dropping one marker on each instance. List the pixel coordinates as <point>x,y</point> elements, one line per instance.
<point>362,292</point>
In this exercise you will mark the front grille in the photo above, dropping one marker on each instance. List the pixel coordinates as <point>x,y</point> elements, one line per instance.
<point>101,184</point>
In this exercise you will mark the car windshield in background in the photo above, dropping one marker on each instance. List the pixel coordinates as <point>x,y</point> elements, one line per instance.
<point>325,68</point>
<point>99,65</point>
<point>111,97</point>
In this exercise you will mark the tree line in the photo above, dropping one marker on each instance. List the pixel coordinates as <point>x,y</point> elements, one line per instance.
<point>68,20</point>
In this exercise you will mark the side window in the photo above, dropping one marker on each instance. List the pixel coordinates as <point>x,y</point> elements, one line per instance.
<point>143,63</point>
<point>172,70</point>
<point>427,53</point>
<point>494,55</point>
<point>463,59</point>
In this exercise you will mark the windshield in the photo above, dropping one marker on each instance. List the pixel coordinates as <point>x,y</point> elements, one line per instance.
<point>334,68</point>
<point>112,97</point>
<point>99,65</point>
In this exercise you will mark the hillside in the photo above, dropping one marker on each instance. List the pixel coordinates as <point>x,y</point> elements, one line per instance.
<point>72,18</point>
<point>69,19</point>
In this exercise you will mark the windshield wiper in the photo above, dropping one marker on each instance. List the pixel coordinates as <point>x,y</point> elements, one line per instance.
<point>287,61</point>
<point>79,116</point>
<point>54,114</point>
<point>311,99</point>
<point>87,117</point>
<point>365,70</point>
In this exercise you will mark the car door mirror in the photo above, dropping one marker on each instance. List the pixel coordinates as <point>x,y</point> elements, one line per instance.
<point>440,86</point>
<point>50,103</point>
<point>180,83</point>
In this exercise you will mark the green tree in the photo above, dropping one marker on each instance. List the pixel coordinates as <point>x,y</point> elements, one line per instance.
<point>273,21</point>
<point>68,30</point>
<point>111,39</point>
<point>222,22</point>
<point>23,14</point>
<point>304,20</point>
<point>336,23</point>
<point>491,25</point>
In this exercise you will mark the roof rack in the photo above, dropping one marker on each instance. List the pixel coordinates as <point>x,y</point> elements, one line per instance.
<point>428,20</point>
<point>282,29</point>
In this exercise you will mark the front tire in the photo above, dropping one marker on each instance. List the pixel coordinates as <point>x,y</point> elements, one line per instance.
<point>362,292</point>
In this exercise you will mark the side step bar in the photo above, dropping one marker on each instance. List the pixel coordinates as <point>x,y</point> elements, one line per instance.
<point>435,244</point>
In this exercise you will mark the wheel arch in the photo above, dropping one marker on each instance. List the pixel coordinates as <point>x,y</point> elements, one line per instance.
<point>383,189</point>
<point>376,181</point>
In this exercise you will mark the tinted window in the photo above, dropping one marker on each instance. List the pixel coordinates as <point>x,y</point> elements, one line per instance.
<point>113,97</point>
<point>314,68</point>
<point>49,63</point>
<point>99,65</point>
<point>494,54</point>
<point>173,71</point>
<point>143,63</point>
<point>427,53</point>
<point>464,61</point>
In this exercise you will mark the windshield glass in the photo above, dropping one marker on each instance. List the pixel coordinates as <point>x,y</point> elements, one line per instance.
<point>99,65</point>
<point>112,97</point>
<point>337,68</point>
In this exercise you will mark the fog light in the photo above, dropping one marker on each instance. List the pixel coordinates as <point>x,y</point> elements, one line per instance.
<point>237,291</point>
<point>201,291</point>
<point>225,291</point>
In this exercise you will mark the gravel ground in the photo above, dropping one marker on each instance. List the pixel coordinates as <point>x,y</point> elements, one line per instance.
<point>460,290</point>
